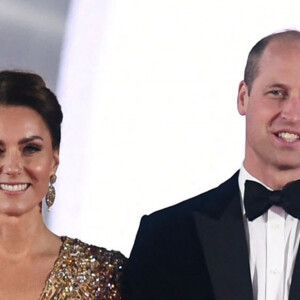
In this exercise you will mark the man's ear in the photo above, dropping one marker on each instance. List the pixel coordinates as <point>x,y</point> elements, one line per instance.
<point>242,100</point>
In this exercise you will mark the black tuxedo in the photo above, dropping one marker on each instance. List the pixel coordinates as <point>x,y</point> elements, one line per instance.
<point>195,250</point>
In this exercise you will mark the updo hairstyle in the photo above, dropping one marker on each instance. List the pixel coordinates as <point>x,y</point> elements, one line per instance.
<point>29,90</point>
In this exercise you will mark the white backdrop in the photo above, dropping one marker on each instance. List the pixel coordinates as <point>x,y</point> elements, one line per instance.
<point>148,90</point>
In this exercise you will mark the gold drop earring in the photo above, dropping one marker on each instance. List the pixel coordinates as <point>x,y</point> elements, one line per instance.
<point>50,197</point>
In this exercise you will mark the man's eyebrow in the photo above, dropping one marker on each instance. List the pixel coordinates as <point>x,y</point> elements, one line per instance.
<point>29,139</point>
<point>277,85</point>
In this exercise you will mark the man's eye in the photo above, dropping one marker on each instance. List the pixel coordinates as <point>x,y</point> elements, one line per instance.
<point>277,93</point>
<point>31,149</point>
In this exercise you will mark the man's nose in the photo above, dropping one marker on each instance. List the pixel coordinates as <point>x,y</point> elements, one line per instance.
<point>11,164</point>
<point>291,109</point>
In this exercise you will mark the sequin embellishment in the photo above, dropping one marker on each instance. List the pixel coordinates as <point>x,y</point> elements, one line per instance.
<point>84,272</point>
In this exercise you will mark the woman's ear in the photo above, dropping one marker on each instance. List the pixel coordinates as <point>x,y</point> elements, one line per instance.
<point>55,162</point>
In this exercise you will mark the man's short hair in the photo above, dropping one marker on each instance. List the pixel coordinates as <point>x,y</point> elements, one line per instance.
<point>252,66</point>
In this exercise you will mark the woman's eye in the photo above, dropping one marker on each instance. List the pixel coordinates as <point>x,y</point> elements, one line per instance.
<point>31,149</point>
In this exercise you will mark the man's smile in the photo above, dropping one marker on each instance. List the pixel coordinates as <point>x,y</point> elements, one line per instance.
<point>288,136</point>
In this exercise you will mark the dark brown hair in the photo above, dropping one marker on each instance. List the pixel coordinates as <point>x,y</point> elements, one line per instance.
<point>28,89</point>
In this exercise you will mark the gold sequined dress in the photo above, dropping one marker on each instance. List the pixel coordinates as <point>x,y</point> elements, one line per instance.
<point>84,272</point>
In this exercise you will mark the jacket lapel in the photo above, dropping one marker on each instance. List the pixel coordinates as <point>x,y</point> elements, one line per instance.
<point>222,236</point>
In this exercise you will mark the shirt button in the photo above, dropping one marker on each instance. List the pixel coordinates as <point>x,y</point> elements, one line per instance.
<point>274,271</point>
<point>275,226</point>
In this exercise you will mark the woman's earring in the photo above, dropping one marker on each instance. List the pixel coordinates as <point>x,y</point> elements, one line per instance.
<point>50,197</point>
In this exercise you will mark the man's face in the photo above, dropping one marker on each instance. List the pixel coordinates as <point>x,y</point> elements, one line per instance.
<point>272,111</point>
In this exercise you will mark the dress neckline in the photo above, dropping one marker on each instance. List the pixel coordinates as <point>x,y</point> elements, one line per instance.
<point>63,240</point>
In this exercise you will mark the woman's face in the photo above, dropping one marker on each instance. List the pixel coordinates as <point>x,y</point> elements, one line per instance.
<point>27,160</point>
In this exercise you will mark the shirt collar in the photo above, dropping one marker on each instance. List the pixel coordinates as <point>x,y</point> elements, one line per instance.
<point>243,176</point>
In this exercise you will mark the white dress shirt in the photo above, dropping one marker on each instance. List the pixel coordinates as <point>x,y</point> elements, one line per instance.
<point>273,240</point>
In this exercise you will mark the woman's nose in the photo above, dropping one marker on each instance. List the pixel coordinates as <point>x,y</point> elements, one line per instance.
<point>11,164</point>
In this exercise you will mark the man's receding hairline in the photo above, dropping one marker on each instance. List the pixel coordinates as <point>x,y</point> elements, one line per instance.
<point>254,58</point>
<point>276,40</point>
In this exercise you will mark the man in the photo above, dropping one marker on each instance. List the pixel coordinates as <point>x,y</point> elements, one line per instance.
<point>212,246</point>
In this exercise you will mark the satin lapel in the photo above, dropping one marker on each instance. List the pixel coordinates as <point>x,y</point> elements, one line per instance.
<point>225,249</point>
<point>295,285</point>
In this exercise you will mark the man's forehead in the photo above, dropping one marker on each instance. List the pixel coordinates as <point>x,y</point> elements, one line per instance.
<point>282,45</point>
<point>280,49</point>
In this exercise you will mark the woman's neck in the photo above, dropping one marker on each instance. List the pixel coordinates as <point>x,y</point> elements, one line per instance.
<point>24,235</point>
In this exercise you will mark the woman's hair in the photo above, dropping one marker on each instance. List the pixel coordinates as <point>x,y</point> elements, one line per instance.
<point>27,89</point>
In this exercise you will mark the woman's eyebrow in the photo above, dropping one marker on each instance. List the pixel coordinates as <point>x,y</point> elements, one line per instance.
<point>29,139</point>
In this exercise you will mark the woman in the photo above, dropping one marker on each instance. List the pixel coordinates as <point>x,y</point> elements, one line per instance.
<point>34,262</point>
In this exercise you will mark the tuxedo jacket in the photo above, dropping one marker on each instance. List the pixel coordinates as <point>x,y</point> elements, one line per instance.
<point>195,250</point>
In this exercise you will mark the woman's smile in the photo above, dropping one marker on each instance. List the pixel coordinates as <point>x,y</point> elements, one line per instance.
<point>17,187</point>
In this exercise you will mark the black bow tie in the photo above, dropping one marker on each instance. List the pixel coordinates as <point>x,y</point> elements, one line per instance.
<point>258,199</point>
